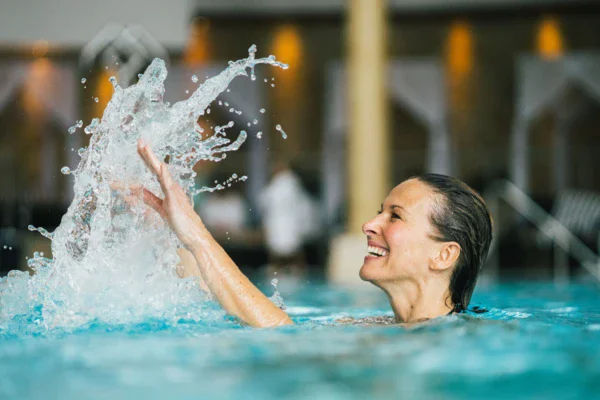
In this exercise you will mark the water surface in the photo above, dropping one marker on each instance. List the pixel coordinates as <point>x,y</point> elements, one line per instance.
<point>535,341</point>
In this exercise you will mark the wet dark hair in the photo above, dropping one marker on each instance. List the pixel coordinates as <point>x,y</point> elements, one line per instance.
<point>460,216</point>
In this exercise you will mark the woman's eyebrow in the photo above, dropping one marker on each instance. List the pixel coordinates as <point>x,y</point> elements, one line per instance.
<point>400,207</point>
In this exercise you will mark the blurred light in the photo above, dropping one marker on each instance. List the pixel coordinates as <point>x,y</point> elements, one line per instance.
<point>104,91</point>
<point>549,38</point>
<point>460,48</point>
<point>288,87</point>
<point>40,48</point>
<point>459,68</point>
<point>197,50</point>
<point>287,46</point>
<point>39,79</point>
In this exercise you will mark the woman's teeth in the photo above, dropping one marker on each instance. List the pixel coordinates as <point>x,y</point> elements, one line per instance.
<point>376,251</point>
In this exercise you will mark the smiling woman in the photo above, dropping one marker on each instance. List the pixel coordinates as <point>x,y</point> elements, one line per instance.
<point>425,248</point>
<point>427,245</point>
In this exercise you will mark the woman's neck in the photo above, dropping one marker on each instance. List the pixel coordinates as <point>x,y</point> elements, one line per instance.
<point>412,302</point>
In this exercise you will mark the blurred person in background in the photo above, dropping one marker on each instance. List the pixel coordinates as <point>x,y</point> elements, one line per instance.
<point>290,219</point>
<point>425,248</point>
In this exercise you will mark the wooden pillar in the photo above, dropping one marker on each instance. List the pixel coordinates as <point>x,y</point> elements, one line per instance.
<point>368,172</point>
<point>368,166</point>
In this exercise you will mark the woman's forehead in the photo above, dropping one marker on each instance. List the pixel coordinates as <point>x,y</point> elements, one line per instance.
<point>410,195</point>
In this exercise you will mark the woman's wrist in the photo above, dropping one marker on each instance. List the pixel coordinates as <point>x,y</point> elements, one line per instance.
<point>198,236</point>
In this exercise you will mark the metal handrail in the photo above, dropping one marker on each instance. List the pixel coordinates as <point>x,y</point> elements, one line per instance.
<point>564,240</point>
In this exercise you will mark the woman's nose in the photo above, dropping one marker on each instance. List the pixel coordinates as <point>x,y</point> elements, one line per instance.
<point>371,227</point>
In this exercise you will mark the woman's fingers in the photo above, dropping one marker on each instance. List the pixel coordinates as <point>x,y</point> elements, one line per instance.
<point>165,178</point>
<point>153,201</point>
<point>160,169</point>
<point>149,157</point>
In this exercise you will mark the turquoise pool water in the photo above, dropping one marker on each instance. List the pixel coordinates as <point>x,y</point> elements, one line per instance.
<point>536,341</point>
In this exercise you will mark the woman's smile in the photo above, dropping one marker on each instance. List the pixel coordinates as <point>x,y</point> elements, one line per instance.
<point>375,251</point>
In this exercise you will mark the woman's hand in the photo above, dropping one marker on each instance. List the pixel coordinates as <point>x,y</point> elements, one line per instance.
<point>232,289</point>
<point>175,208</point>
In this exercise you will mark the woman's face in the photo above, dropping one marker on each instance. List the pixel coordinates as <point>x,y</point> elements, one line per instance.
<point>399,237</point>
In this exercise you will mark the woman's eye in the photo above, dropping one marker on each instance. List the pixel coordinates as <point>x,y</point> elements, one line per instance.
<point>379,212</point>
<point>394,215</point>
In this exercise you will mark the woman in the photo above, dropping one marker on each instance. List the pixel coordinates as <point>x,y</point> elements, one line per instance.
<point>424,249</point>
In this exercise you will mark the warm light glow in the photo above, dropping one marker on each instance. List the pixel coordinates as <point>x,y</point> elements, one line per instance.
<point>287,46</point>
<point>460,48</point>
<point>288,93</point>
<point>40,48</point>
<point>549,38</point>
<point>104,91</point>
<point>460,60</point>
<point>197,50</point>
<point>39,79</point>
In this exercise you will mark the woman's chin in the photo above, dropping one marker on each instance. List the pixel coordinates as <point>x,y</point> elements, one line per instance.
<point>369,272</point>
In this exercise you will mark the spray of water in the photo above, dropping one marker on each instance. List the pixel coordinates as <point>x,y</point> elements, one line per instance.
<point>112,260</point>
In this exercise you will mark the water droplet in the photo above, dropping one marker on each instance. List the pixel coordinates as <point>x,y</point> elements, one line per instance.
<point>259,135</point>
<point>5,246</point>
<point>10,247</point>
<point>231,110</point>
<point>65,170</point>
<point>194,78</point>
<point>83,80</point>
<point>272,85</point>
<point>208,110</point>
<point>187,92</point>
<point>31,228</point>
<point>220,103</point>
<point>262,110</point>
<point>226,104</point>
<point>266,80</point>
<point>96,99</point>
<point>283,134</point>
<point>228,90</point>
<point>234,176</point>
<point>255,121</point>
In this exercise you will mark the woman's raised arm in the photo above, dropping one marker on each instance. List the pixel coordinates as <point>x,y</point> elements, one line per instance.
<point>232,289</point>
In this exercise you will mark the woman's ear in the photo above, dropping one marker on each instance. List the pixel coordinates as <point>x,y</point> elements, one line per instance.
<point>447,256</point>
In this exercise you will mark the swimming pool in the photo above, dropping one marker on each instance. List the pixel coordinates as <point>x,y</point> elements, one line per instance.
<point>536,341</point>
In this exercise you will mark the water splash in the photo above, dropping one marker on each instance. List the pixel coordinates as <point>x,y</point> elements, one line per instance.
<point>112,260</point>
<point>276,297</point>
<point>280,129</point>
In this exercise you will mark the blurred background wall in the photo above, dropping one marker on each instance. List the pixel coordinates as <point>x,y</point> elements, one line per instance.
<point>483,90</point>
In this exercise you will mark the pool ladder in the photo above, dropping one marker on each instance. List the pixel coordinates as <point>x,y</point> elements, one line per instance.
<point>564,241</point>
